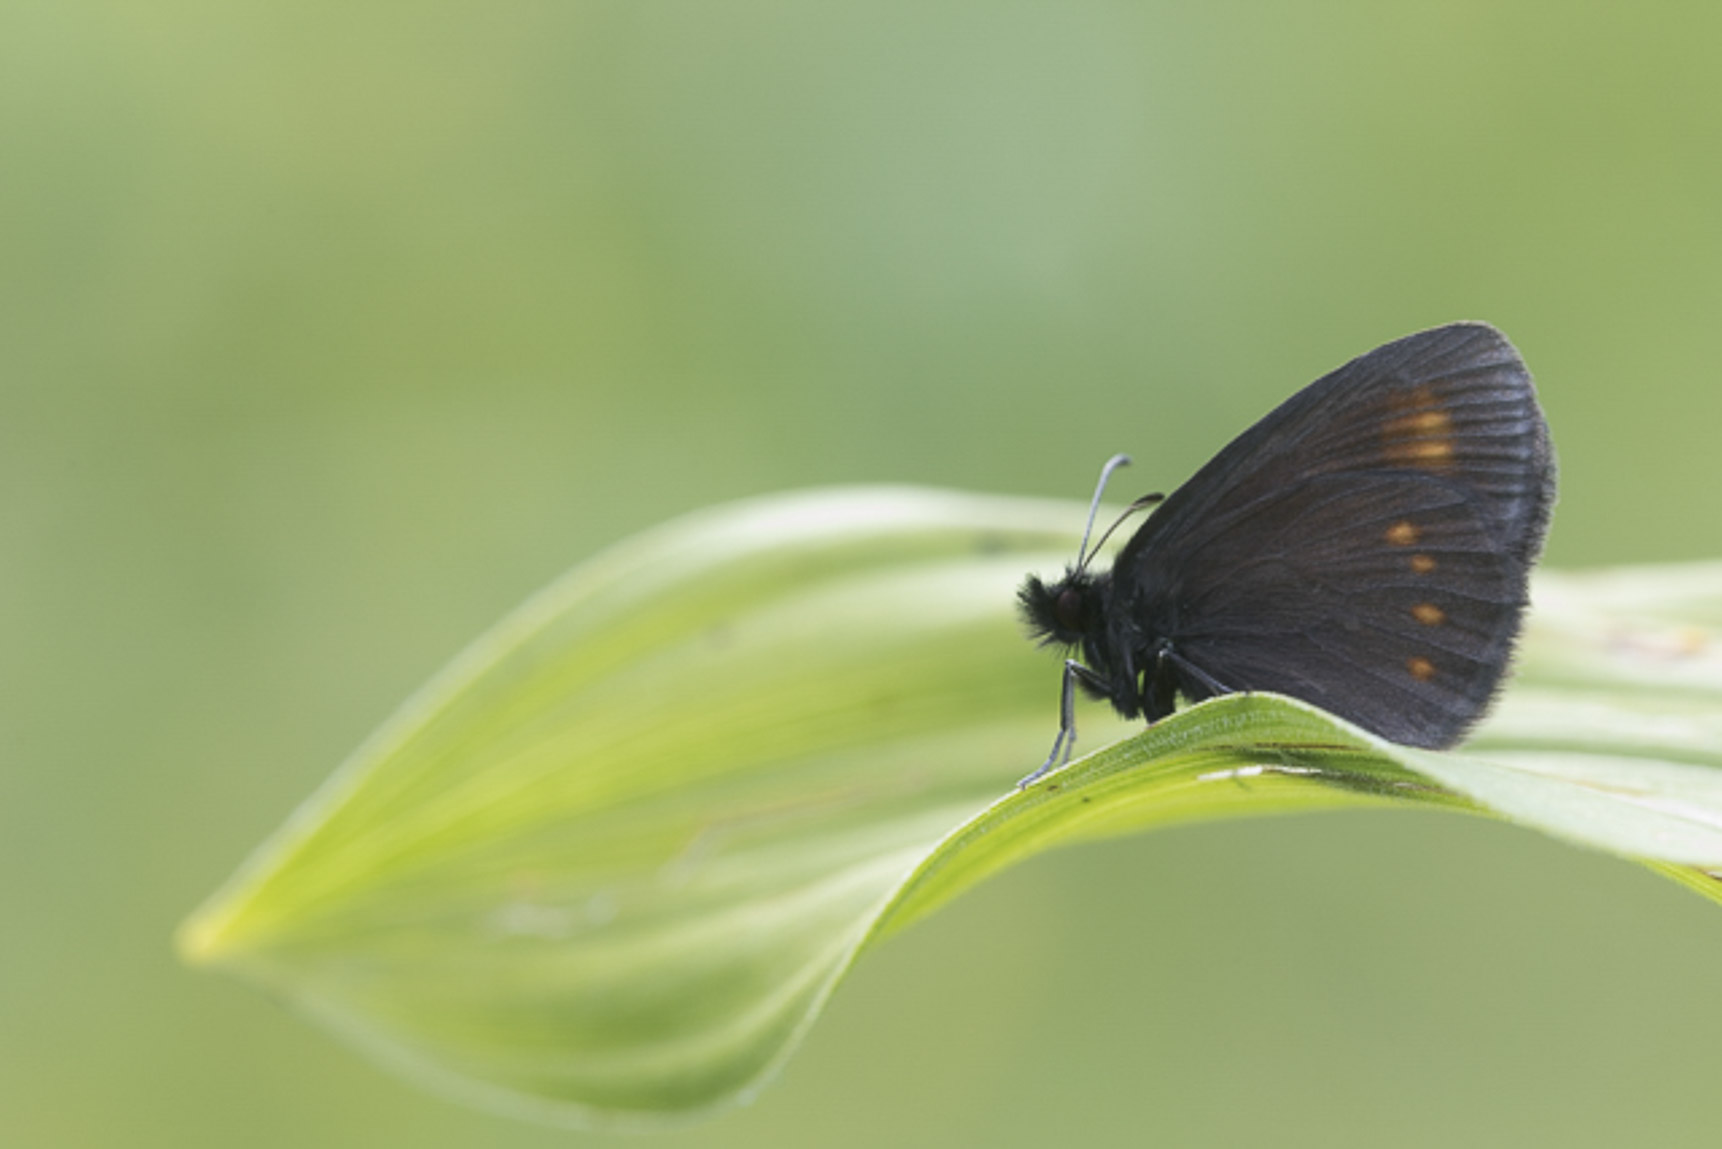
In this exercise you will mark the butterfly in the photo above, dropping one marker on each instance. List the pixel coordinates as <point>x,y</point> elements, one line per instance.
<point>1364,547</point>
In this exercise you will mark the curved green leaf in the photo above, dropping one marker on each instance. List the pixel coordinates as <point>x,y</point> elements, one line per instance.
<point>606,868</point>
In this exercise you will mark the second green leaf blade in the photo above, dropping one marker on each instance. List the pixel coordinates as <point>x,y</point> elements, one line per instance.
<point>607,867</point>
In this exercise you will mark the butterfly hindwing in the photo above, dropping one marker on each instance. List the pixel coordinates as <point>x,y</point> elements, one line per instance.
<point>1384,600</point>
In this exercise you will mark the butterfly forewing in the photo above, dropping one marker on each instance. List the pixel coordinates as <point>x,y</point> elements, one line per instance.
<point>1454,403</point>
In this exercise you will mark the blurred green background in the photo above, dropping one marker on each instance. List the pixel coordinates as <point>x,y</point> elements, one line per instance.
<point>328,332</point>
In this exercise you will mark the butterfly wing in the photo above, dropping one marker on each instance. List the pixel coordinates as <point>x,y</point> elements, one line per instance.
<point>1383,599</point>
<point>1365,546</point>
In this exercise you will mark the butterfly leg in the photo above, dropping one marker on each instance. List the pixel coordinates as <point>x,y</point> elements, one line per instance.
<point>1065,744</point>
<point>1159,695</point>
<point>1195,674</point>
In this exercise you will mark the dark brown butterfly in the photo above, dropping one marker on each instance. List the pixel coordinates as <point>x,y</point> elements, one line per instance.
<point>1365,547</point>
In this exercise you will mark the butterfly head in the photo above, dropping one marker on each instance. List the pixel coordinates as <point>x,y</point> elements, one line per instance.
<point>1071,608</point>
<point>1061,613</point>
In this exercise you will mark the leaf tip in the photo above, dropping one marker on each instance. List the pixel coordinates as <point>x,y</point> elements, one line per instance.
<point>206,937</point>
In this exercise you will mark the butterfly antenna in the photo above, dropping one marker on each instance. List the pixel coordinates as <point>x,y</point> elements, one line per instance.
<point>1112,465</point>
<point>1141,504</point>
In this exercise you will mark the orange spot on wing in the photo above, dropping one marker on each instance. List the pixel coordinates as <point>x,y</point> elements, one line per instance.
<point>1418,432</point>
<point>1430,454</point>
<point>1422,564</point>
<point>1428,614</point>
<point>1421,669</point>
<point>1403,533</point>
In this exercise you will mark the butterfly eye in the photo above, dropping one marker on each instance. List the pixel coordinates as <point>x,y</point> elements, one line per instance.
<point>1069,608</point>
